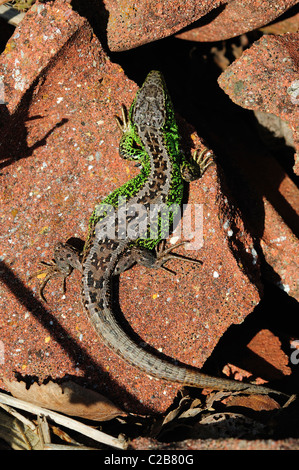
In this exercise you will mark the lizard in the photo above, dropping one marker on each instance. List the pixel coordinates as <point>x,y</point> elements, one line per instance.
<point>150,137</point>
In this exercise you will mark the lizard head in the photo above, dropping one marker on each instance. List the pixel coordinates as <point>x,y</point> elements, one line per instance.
<point>149,108</point>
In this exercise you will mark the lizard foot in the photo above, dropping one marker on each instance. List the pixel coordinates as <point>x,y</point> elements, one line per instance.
<point>123,122</point>
<point>194,169</point>
<point>165,254</point>
<point>65,260</point>
<point>203,159</point>
<point>49,272</point>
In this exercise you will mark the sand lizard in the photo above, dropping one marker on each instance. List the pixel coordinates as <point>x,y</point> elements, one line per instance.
<point>150,136</point>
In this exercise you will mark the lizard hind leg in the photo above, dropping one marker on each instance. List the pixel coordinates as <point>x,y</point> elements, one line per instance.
<point>165,254</point>
<point>157,259</point>
<point>65,260</point>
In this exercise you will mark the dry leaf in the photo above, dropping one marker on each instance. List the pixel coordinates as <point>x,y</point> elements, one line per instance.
<point>174,413</point>
<point>190,413</point>
<point>68,398</point>
<point>255,402</point>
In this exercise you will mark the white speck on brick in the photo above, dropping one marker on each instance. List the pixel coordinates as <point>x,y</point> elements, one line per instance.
<point>20,82</point>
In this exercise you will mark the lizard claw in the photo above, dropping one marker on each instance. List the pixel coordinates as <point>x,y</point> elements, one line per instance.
<point>59,266</point>
<point>200,162</point>
<point>164,255</point>
<point>123,122</point>
<point>50,272</point>
<point>203,158</point>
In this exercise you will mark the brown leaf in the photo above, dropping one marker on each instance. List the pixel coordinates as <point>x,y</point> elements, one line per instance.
<point>255,402</point>
<point>68,398</point>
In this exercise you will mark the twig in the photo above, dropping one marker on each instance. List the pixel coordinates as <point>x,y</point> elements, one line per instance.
<point>44,430</point>
<point>98,436</point>
<point>66,447</point>
<point>18,415</point>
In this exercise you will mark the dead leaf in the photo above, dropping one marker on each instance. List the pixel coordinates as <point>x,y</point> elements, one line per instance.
<point>190,413</point>
<point>255,402</point>
<point>68,398</point>
<point>215,397</point>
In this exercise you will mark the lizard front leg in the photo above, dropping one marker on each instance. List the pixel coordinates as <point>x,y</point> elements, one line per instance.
<point>130,146</point>
<point>195,168</point>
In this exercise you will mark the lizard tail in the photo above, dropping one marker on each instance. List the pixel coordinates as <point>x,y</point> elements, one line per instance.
<point>98,297</point>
